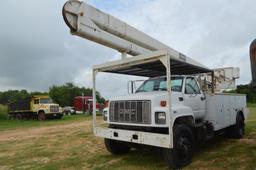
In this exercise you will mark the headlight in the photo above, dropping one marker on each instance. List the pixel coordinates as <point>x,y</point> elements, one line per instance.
<point>160,117</point>
<point>105,115</point>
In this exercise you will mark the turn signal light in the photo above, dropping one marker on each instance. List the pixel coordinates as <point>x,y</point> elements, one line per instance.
<point>163,103</point>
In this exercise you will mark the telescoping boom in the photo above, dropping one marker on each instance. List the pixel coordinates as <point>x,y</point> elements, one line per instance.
<point>88,22</point>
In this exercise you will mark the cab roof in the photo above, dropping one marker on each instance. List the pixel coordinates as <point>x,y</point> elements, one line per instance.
<point>150,65</point>
<point>40,96</point>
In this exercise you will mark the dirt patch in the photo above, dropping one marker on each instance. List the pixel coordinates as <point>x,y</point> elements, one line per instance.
<point>248,141</point>
<point>22,134</point>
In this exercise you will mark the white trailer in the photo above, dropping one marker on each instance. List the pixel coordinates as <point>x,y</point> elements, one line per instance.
<point>169,110</point>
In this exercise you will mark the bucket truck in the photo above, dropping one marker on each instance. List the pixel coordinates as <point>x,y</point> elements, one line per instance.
<point>169,110</point>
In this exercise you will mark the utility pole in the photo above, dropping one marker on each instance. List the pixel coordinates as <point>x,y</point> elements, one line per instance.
<point>83,102</point>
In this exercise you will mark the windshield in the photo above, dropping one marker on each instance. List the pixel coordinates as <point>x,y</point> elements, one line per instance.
<point>45,100</point>
<point>159,84</point>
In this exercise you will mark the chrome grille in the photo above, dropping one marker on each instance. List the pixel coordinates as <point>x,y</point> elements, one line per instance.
<point>130,111</point>
<point>54,109</point>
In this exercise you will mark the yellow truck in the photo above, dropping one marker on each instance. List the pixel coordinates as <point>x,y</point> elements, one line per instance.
<point>39,107</point>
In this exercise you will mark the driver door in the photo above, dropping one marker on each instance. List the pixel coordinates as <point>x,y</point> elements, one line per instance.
<point>193,97</point>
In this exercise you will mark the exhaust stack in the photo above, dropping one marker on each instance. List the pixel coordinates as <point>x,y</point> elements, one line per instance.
<point>253,61</point>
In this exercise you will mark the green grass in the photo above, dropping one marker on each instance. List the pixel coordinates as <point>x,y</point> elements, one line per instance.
<point>16,124</point>
<point>78,148</point>
<point>252,114</point>
<point>3,112</point>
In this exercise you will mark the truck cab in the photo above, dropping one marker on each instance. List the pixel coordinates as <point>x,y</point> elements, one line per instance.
<point>186,99</point>
<point>44,107</point>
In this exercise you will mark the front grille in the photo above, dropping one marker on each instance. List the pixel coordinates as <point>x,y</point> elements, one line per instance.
<point>54,109</point>
<point>130,111</point>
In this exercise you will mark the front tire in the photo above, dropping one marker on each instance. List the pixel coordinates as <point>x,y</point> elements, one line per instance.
<point>41,116</point>
<point>183,147</point>
<point>116,147</point>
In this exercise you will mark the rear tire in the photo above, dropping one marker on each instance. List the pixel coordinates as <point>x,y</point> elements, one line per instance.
<point>41,116</point>
<point>183,147</point>
<point>237,131</point>
<point>116,147</point>
<point>18,116</point>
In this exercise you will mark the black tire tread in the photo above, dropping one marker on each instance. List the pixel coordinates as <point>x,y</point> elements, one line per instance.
<point>116,147</point>
<point>169,154</point>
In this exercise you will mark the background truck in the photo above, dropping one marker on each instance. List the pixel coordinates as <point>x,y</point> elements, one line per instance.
<point>34,107</point>
<point>84,104</point>
<point>170,110</point>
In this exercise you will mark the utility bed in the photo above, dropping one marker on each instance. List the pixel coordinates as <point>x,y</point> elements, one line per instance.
<point>223,107</point>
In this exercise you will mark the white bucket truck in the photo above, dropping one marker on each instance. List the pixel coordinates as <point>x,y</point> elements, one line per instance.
<point>169,110</point>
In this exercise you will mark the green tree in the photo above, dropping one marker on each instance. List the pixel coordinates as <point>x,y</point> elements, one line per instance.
<point>11,96</point>
<point>65,94</point>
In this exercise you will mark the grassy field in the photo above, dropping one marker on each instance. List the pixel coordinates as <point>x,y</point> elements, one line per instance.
<point>70,144</point>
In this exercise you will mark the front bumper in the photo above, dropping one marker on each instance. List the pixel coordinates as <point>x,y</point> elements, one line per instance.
<point>146,138</point>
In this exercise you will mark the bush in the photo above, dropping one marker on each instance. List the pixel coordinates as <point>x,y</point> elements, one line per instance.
<point>3,112</point>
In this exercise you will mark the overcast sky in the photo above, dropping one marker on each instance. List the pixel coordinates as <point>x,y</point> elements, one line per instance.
<point>37,50</point>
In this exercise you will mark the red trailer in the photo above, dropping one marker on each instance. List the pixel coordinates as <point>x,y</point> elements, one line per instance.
<point>84,104</point>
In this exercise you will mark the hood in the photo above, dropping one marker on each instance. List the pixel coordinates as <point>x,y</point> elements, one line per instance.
<point>153,96</point>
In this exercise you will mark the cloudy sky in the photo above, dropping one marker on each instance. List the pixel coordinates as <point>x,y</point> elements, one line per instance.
<point>37,50</point>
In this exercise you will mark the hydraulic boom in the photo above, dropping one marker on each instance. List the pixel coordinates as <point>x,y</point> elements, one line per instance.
<point>86,21</point>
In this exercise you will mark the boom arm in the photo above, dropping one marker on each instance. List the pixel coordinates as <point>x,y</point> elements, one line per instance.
<point>95,25</point>
<point>88,22</point>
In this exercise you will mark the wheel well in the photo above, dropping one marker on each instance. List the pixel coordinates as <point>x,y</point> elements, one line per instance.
<point>39,111</point>
<point>188,120</point>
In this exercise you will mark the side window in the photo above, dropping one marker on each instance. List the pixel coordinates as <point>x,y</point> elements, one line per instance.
<point>36,101</point>
<point>163,85</point>
<point>191,86</point>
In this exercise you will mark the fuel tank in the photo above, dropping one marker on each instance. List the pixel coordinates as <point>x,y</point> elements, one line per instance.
<point>253,61</point>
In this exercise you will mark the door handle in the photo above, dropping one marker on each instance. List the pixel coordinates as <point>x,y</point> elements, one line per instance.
<point>181,99</point>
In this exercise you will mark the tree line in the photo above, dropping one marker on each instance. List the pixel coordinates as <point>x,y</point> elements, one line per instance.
<point>248,90</point>
<point>62,94</point>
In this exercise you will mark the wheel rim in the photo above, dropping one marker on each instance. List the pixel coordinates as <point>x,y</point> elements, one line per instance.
<point>41,116</point>
<point>184,148</point>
